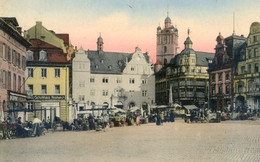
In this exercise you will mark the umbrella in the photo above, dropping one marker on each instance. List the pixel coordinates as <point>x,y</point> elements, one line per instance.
<point>36,120</point>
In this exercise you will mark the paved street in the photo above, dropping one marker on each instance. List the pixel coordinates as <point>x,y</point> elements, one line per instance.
<point>227,141</point>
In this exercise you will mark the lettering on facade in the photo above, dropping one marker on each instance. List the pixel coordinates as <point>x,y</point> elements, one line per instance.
<point>48,97</point>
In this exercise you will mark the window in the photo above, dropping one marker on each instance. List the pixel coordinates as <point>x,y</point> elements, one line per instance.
<point>227,75</point>
<point>220,88</point>
<point>29,55</point>
<point>118,80</point>
<point>92,92</point>
<point>57,89</point>
<point>14,82</point>
<point>23,63</point>
<point>82,83</point>
<point>193,69</point>
<point>242,69</point>
<point>144,93</point>
<point>102,61</point>
<point>30,89</point>
<point>187,68</point>
<point>199,69</point>
<point>9,54</point>
<point>1,51</point>
<point>255,38</point>
<point>96,66</point>
<point>132,81</point>
<point>44,73</point>
<point>165,49</point>
<point>57,73</point>
<point>30,105</point>
<point>81,98</point>
<point>105,92</point>
<point>249,68</point>
<point>6,51</point>
<point>227,88</point>
<point>4,78</point>
<point>43,56</point>
<point>13,56</point>
<point>9,80</point>
<point>255,52</point>
<point>44,89</point>
<point>193,60</point>
<point>249,54</point>
<point>109,67</point>
<point>144,81</point>
<point>256,68</point>
<point>92,80</point>
<point>30,72</point>
<point>105,80</point>
<point>132,68</point>
<point>23,84</point>
<point>18,60</point>
<point>219,76</point>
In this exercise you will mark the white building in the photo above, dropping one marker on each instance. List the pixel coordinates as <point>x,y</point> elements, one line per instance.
<point>117,79</point>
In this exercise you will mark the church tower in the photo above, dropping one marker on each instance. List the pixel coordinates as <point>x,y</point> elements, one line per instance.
<point>100,43</point>
<point>167,42</point>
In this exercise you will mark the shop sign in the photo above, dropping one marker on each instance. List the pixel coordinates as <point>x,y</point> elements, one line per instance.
<point>48,97</point>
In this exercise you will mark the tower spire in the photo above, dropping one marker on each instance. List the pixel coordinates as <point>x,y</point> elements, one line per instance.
<point>188,32</point>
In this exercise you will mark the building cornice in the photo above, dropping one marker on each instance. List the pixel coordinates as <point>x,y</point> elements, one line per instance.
<point>13,33</point>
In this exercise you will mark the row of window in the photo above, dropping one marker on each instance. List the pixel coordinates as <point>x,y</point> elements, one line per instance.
<point>43,89</point>
<point>220,77</point>
<point>249,69</point>
<point>6,78</point>
<point>105,93</point>
<point>43,73</point>
<point>220,89</point>
<point>188,69</point>
<point>106,80</point>
<point>12,56</point>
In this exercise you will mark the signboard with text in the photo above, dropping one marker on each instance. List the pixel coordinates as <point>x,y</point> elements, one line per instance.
<point>48,97</point>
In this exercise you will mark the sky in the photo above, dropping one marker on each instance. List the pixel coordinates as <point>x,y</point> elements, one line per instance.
<point>125,24</point>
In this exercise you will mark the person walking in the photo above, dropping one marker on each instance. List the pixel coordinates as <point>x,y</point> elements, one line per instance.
<point>162,118</point>
<point>172,117</point>
<point>138,120</point>
<point>158,121</point>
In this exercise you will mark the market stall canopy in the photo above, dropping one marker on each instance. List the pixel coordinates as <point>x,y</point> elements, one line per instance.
<point>133,109</point>
<point>175,105</point>
<point>190,107</point>
<point>117,110</point>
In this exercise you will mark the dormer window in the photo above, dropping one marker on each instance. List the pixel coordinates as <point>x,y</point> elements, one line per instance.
<point>102,61</point>
<point>96,66</point>
<point>110,67</point>
<point>43,56</point>
<point>29,55</point>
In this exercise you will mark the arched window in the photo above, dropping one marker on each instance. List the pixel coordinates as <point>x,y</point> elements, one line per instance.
<point>165,49</point>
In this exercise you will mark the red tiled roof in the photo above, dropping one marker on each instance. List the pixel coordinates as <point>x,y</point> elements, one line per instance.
<point>64,37</point>
<point>54,54</point>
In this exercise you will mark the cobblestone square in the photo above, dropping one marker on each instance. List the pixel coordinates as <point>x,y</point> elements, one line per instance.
<point>225,141</point>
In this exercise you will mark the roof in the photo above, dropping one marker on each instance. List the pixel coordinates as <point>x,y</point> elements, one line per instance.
<point>40,32</point>
<point>12,30</point>
<point>203,57</point>
<point>11,20</point>
<point>190,107</point>
<point>167,20</point>
<point>65,38</point>
<point>188,41</point>
<point>109,62</point>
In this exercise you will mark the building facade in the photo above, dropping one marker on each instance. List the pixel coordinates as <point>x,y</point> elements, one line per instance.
<point>48,76</point>
<point>247,79</point>
<point>188,76</point>
<point>120,80</point>
<point>167,43</point>
<point>12,69</point>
